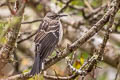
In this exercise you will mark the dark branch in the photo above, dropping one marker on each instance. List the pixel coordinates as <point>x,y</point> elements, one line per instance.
<point>22,40</point>
<point>28,22</point>
<point>66,5</point>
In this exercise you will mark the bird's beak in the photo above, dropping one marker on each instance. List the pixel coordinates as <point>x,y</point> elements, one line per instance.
<point>60,15</point>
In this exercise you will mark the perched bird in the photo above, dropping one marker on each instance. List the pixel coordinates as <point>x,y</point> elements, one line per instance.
<point>47,37</point>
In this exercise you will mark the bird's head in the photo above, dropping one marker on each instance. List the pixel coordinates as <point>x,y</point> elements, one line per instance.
<point>53,16</point>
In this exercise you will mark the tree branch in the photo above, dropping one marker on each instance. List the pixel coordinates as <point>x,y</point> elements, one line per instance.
<point>66,5</point>
<point>28,22</point>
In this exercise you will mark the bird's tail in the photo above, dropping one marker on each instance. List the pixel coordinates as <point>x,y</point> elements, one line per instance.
<point>37,66</point>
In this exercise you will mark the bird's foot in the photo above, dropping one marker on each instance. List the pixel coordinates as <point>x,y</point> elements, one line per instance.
<point>58,52</point>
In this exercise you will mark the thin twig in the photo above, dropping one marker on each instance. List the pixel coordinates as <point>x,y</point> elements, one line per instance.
<point>88,5</point>
<point>3,4</point>
<point>10,8</point>
<point>73,7</point>
<point>66,5</point>
<point>60,78</point>
<point>28,22</point>
<point>22,40</point>
<point>21,9</point>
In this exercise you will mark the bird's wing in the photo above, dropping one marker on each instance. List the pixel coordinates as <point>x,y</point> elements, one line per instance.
<point>45,40</point>
<point>45,28</point>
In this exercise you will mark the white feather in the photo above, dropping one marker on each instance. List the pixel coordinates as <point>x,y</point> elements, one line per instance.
<point>60,33</point>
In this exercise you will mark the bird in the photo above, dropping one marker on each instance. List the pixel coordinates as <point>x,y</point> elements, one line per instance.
<point>48,36</point>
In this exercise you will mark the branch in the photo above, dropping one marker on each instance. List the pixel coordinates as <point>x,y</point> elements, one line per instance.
<point>10,9</point>
<point>21,9</point>
<point>28,22</point>
<point>66,5</point>
<point>3,4</point>
<point>19,76</point>
<point>73,7</point>
<point>22,40</point>
<point>60,78</point>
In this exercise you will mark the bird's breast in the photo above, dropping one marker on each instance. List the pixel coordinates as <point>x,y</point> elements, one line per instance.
<point>60,33</point>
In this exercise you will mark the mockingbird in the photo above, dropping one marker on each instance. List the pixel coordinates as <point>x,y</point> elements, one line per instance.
<point>48,36</point>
